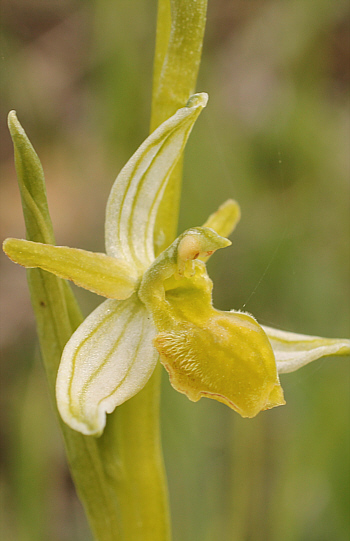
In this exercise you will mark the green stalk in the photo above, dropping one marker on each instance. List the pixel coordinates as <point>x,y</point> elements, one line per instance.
<point>180,32</point>
<point>136,429</point>
<point>132,442</point>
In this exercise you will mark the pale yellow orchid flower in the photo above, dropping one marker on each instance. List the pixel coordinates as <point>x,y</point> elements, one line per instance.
<point>162,307</point>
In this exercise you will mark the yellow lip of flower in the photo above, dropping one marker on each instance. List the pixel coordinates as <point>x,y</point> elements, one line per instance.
<point>222,355</point>
<point>228,358</point>
<point>159,305</point>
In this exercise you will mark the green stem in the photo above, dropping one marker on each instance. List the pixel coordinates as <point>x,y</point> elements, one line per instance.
<point>134,427</point>
<point>132,441</point>
<point>180,32</point>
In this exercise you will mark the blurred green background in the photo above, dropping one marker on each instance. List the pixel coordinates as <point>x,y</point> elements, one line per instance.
<point>275,136</point>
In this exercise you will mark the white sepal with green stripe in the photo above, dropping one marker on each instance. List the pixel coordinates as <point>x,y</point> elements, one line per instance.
<point>137,192</point>
<point>292,351</point>
<point>109,359</point>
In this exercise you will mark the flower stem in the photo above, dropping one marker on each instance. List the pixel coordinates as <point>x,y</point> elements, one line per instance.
<point>133,428</point>
<point>180,32</point>
<point>132,441</point>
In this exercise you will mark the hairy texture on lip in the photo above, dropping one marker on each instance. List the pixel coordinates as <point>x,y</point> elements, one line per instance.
<point>222,355</point>
<point>227,357</point>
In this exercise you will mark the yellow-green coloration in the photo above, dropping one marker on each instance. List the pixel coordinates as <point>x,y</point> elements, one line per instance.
<point>222,355</point>
<point>225,219</point>
<point>93,382</point>
<point>113,278</point>
<point>180,31</point>
<point>111,357</point>
<point>292,351</point>
<point>137,193</point>
<point>160,305</point>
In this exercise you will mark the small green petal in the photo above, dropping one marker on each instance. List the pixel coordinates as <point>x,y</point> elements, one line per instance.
<point>109,359</point>
<point>104,275</point>
<point>292,351</point>
<point>225,219</point>
<point>222,355</point>
<point>138,190</point>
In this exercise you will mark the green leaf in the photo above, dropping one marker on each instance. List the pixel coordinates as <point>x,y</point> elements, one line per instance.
<point>108,360</point>
<point>32,185</point>
<point>138,190</point>
<point>292,351</point>
<point>104,275</point>
<point>57,316</point>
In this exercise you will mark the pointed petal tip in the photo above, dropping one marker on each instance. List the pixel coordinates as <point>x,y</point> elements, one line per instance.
<point>14,125</point>
<point>7,247</point>
<point>12,120</point>
<point>276,397</point>
<point>198,100</point>
<point>225,218</point>
<point>293,351</point>
<point>226,242</point>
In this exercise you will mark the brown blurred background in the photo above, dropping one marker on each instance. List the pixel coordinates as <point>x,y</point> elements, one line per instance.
<point>275,136</point>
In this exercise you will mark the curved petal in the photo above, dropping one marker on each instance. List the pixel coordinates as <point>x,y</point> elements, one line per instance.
<point>220,355</point>
<point>108,360</point>
<point>104,275</point>
<point>137,192</point>
<point>292,351</point>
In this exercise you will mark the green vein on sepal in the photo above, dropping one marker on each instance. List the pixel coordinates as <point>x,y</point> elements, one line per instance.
<point>137,192</point>
<point>292,351</point>
<point>107,361</point>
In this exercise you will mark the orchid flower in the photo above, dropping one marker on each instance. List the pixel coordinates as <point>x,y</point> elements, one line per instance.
<point>161,307</point>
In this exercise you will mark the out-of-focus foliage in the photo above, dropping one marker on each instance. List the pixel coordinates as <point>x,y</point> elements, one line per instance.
<point>275,137</point>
